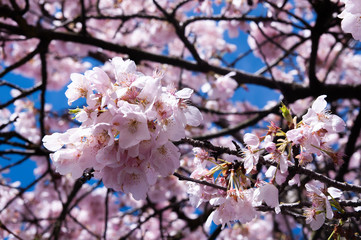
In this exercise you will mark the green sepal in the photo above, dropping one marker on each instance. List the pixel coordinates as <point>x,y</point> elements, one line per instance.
<point>74,111</point>
<point>286,113</point>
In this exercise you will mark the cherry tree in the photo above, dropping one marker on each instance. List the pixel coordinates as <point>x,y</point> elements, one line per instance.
<point>159,139</point>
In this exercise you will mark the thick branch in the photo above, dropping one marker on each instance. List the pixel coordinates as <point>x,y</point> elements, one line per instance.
<point>293,91</point>
<point>350,147</point>
<point>231,130</point>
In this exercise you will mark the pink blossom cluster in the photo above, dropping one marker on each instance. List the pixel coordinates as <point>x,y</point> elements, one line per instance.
<point>351,18</point>
<point>222,88</point>
<point>87,211</point>
<point>60,64</point>
<point>237,200</point>
<point>44,204</point>
<point>231,189</point>
<point>127,128</point>
<point>312,134</point>
<point>270,41</point>
<point>259,35</point>
<point>321,206</point>
<point>9,213</point>
<point>257,229</point>
<point>25,115</point>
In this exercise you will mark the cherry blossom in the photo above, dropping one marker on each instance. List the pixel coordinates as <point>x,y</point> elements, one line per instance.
<point>321,207</point>
<point>235,206</point>
<point>269,194</point>
<point>313,132</point>
<point>318,118</point>
<point>131,116</point>
<point>222,89</point>
<point>257,229</point>
<point>212,123</point>
<point>251,152</point>
<point>351,18</point>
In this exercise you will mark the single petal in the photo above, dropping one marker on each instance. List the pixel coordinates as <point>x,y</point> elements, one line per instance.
<point>338,125</point>
<point>319,104</point>
<point>184,93</point>
<point>251,140</point>
<point>193,115</point>
<point>53,142</point>
<point>334,192</point>
<point>318,221</point>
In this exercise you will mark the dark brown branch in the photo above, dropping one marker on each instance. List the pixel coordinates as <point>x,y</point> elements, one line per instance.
<point>328,181</point>
<point>209,145</point>
<point>25,93</point>
<point>126,236</point>
<point>106,203</point>
<point>307,25</point>
<point>35,152</point>
<point>21,62</point>
<point>3,226</point>
<point>83,226</point>
<point>281,58</point>
<point>243,125</point>
<point>14,164</point>
<point>350,203</point>
<point>293,91</point>
<point>215,233</point>
<point>21,191</point>
<point>83,18</point>
<point>350,146</point>
<point>184,178</point>
<point>325,11</point>
<point>5,83</point>
<point>77,186</point>
<point>44,80</point>
<point>240,19</point>
<point>180,31</point>
<point>84,195</point>
<point>179,5</point>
